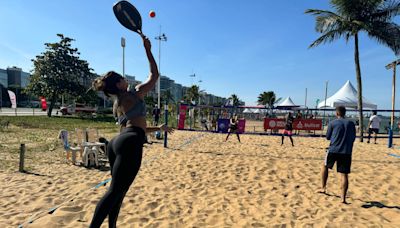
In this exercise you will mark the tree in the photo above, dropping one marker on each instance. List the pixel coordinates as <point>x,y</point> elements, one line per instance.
<point>192,94</point>
<point>167,96</point>
<point>235,100</point>
<point>268,99</point>
<point>375,17</point>
<point>59,70</point>
<point>150,101</point>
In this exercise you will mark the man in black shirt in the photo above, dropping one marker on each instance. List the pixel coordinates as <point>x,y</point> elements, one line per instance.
<point>156,115</point>
<point>342,133</point>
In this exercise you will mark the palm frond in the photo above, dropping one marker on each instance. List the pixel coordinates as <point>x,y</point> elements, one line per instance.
<point>330,36</point>
<point>317,12</point>
<point>388,11</point>
<point>385,33</point>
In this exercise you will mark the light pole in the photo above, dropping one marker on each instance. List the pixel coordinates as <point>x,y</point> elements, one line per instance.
<point>161,37</point>
<point>390,66</point>
<point>200,91</point>
<point>305,102</point>
<point>123,55</point>
<point>192,76</point>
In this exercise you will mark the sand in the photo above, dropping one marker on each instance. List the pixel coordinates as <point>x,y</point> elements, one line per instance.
<point>202,181</point>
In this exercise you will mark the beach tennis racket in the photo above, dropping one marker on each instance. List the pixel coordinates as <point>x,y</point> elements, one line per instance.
<point>128,16</point>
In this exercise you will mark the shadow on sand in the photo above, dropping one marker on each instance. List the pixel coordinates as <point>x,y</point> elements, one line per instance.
<point>370,204</point>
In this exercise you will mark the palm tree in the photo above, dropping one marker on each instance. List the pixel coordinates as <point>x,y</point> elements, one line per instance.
<point>192,94</point>
<point>235,100</point>
<point>268,99</point>
<point>167,96</point>
<point>375,17</point>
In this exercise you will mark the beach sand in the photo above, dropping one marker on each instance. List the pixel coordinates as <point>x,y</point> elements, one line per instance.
<point>202,181</point>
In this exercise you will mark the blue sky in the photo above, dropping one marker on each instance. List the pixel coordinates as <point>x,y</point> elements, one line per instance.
<point>241,47</point>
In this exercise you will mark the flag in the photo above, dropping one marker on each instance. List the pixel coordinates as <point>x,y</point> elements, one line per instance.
<point>13,99</point>
<point>44,103</point>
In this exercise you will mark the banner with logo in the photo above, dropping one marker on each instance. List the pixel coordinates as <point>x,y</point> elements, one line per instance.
<point>13,99</point>
<point>307,124</point>
<point>223,125</point>
<point>241,125</point>
<point>182,116</point>
<point>44,103</point>
<point>298,124</point>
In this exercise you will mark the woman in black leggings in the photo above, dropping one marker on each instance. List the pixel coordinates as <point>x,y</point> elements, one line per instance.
<point>125,150</point>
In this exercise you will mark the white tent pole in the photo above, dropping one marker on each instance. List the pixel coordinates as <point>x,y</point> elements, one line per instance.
<point>326,94</point>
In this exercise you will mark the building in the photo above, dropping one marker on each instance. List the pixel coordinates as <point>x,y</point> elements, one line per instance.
<point>177,92</point>
<point>132,82</point>
<point>16,78</point>
<point>3,78</point>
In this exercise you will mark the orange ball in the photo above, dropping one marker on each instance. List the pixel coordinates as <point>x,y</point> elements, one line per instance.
<point>152,14</point>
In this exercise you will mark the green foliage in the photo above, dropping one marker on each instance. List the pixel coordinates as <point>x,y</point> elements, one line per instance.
<point>167,96</point>
<point>268,99</point>
<point>150,103</point>
<point>59,70</point>
<point>235,100</point>
<point>192,94</point>
<point>375,17</point>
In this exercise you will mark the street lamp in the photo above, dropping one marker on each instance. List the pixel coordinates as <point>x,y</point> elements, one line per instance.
<point>192,76</point>
<point>161,37</point>
<point>390,66</point>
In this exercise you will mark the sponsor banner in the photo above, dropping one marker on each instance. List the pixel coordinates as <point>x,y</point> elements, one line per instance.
<point>274,123</point>
<point>13,99</point>
<point>182,116</point>
<point>298,124</point>
<point>307,124</point>
<point>223,125</point>
<point>44,103</point>
<point>241,125</point>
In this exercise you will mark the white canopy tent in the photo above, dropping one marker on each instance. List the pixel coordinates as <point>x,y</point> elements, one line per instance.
<point>287,104</point>
<point>247,110</point>
<point>347,97</point>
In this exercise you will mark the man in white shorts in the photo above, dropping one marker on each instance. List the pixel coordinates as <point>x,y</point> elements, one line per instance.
<point>374,124</point>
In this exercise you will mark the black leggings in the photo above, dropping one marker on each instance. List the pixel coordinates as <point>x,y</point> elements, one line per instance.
<point>125,155</point>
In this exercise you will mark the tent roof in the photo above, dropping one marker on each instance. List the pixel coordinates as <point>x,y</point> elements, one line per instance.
<point>347,97</point>
<point>287,103</point>
<point>247,110</point>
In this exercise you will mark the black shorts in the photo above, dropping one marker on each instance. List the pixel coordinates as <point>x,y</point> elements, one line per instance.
<point>343,162</point>
<point>372,130</point>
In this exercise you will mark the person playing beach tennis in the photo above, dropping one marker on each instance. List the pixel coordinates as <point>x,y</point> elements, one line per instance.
<point>125,150</point>
<point>374,124</point>
<point>233,127</point>
<point>288,128</point>
<point>341,133</point>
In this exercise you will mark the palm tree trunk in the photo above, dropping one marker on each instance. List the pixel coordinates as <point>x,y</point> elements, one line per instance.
<point>359,86</point>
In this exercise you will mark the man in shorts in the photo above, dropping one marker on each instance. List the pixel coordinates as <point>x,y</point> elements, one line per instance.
<point>342,133</point>
<point>374,124</point>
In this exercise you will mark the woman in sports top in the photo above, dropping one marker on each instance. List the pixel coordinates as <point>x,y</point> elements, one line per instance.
<point>288,128</point>
<point>125,150</point>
